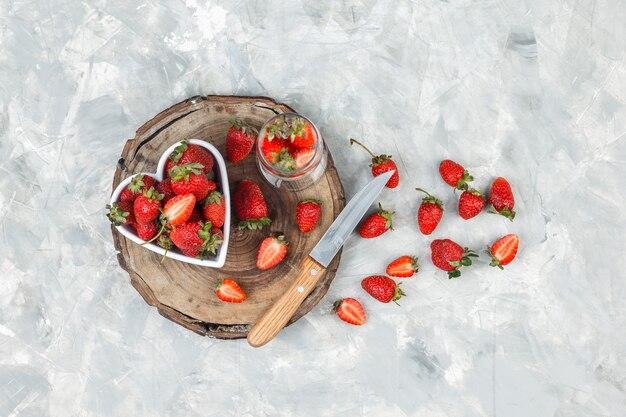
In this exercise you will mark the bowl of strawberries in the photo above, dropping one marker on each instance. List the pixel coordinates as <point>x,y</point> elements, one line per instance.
<point>183,210</point>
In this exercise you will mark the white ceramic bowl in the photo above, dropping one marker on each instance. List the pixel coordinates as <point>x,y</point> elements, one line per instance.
<point>222,181</point>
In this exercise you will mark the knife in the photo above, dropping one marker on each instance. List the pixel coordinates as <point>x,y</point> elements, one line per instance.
<point>314,266</point>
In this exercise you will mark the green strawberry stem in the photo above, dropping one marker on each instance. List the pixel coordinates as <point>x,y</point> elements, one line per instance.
<point>353,141</point>
<point>387,216</point>
<point>494,261</point>
<point>398,294</point>
<point>506,212</point>
<point>254,224</point>
<point>466,260</point>
<point>430,198</point>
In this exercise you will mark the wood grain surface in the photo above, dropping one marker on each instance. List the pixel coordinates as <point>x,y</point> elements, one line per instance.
<point>185,293</point>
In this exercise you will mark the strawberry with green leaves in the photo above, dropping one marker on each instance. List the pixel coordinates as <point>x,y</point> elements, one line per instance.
<point>165,188</point>
<point>250,206</point>
<point>190,178</point>
<point>350,311</point>
<point>301,133</point>
<point>229,291</point>
<point>450,256</point>
<point>429,213</point>
<point>503,251</point>
<point>147,206</point>
<point>454,174</point>
<point>377,223</point>
<point>121,213</point>
<point>214,208</point>
<point>239,140</point>
<point>501,198</point>
<point>403,267</point>
<point>382,288</point>
<point>137,185</point>
<point>308,213</point>
<point>195,239</point>
<point>471,203</point>
<point>381,164</point>
<point>189,153</point>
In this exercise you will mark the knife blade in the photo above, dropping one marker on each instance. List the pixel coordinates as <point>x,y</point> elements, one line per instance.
<point>314,266</point>
<point>344,224</point>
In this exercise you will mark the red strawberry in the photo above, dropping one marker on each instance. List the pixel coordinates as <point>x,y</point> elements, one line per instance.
<point>376,224</point>
<point>501,198</point>
<point>303,156</point>
<point>147,205</point>
<point>147,231</point>
<point>194,236</point>
<point>302,134</point>
<point>449,256</point>
<point>271,252</point>
<point>189,178</point>
<point>217,231</point>
<point>274,149</point>
<point>179,209</point>
<point>382,288</point>
<point>165,188</point>
<point>138,185</point>
<point>454,174</point>
<point>308,212</point>
<point>229,291</point>
<point>239,140</point>
<point>350,311</point>
<point>196,216</point>
<point>214,208</point>
<point>503,251</point>
<point>127,195</point>
<point>250,206</point>
<point>121,213</point>
<point>381,164</point>
<point>192,253</point>
<point>403,267</point>
<point>471,203</point>
<point>429,214</point>
<point>186,153</point>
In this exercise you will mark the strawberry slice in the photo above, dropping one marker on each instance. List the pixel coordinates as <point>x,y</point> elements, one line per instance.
<point>403,267</point>
<point>271,252</point>
<point>229,291</point>
<point>503,251</point>
<point>350,311</point>
<point>179,209</point>
<point>303,156</point>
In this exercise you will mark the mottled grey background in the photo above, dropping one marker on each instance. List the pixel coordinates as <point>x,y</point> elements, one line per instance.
<point>531,90</point>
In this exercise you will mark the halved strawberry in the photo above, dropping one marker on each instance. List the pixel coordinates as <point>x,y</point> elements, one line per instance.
<point>271,252</point>
<point>403,267</point>
<point>229,291</point>
<point>303,156</point>
<point>179,209</point>
<point>503,251</point>
<point>302,134</point>
<point>350,311</point>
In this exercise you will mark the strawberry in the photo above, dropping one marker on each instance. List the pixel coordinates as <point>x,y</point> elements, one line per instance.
<point>194,236</point>
<point>430,212</point>
<point>186,153</point>
<point>214,208</point>
<point>179,209</point>
<point>350,311</point>
<point>308,213</point>
<point>471,203</point>
<point>501,198</point>
<point>271,252</point>
<point>303,156</point>
<point>454,174</point>
<point>165,188</point>
<point>229,291</point>
<point>503,251</point>
<point>376,224</point>
<point>192,253</point>
<point>285,160</point>
<point>146,231</point>
<point>121,213</point>
<point>381,164</point>
<point>382,288</point>
<point>127,195</point>
<point>189,178</point>
<point>146,206</point>
<point>138,185</point>
<point>239,140</point>
<point>302,134</point>
<point>250,206</point>
<point>450,257</point>
<point>272,149</point>
<point>217,231</point>
<point>403,267</point>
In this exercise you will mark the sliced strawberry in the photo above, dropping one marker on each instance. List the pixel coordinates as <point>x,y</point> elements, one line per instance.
<point>229,291</point>
<point>271,252</point>
<point>179,209</point>
<point>504,250</point>
<point>403,267</point>
<point>303,156</point>
<point>350,311</point>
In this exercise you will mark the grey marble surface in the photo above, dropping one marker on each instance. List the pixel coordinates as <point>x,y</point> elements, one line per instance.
<point>531,90</point>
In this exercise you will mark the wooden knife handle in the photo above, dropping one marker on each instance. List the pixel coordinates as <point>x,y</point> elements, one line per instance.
<point>274,319</point>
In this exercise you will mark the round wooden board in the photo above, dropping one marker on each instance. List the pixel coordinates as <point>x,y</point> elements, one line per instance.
<point>185,293</point>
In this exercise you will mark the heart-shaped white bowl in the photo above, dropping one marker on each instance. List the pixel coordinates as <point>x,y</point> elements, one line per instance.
<point>221,179</point>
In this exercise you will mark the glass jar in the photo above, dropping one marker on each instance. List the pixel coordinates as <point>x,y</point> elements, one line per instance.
<point>283,155</point>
